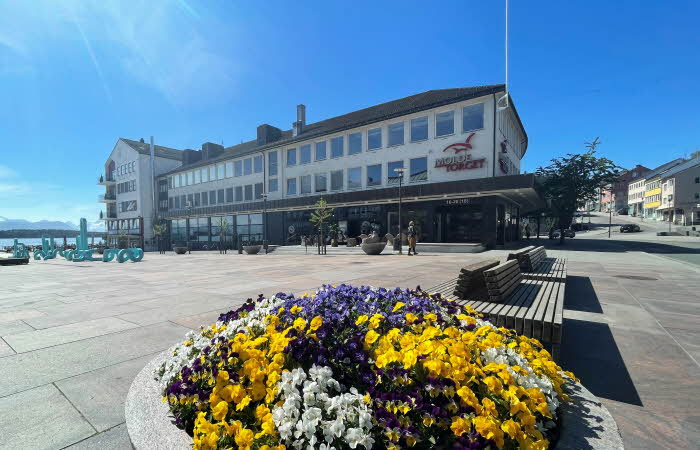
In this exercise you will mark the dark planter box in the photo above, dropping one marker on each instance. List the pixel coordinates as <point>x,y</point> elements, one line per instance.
<point>179,250</point>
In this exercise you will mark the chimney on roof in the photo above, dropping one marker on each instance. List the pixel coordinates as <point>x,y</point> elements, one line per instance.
<point>268,133</point>
<point>211,150</point>
<point>142,141</point>
<point>300,124</point>
<point>191,156</point>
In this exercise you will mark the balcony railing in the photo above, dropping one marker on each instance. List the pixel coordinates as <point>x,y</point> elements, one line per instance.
<point>106,198</point>
<point>105,180</point>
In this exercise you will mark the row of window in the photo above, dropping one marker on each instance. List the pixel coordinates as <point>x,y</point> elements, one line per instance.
<point>223,170</point>
<point>236,194</point>
<point>418,172</point>
<point>444,125</point>
<point>124,169</point>
<point>124,224</point>
<point>127,186</point>
<point>206,229</point>
<point>472,119</point>
<point>127,206</point>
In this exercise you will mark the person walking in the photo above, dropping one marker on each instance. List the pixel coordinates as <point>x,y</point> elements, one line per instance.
<point>527,231</point>
<point>411,239</point>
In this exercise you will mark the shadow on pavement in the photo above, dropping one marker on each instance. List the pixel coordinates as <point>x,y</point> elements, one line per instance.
<point>602,245</point>
<point>580,295</point>
<point>589,350</point>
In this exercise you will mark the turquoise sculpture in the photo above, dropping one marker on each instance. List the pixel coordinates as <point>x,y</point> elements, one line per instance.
<point>83,253</point>
<point>19,250</point>
<point>48,249</point>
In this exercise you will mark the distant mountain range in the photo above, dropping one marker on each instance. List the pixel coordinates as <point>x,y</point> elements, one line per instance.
<point>21,224</point>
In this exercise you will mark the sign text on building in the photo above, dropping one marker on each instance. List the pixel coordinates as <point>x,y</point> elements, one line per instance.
<point>460,162</point>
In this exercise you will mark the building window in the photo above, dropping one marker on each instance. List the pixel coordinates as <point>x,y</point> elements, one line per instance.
<point>197,200</point>
<point>171,202</point>
<point>258,164</point>
<point>473,117</point>
<point>337,149</point>
<point>229,195</point>
<point>197,177</point>
<point>697,195</point>
<point>229,169</point>
<point>419,169</point>
<point>336,180</point>
<point>205,175</point>
<point>305,184</point>
<point>444,123</point>
<point>291,157</point>
<point>393,176</point>
<point>697,180</point>
<point>189,178</point>
<point>212,197</point>
<point>374,138</point>
<point>176,181</point>
<point>247,166</point>
<point>396,134</point>
<point>355,143</point>
<point>273,185</point>
<point>183,201</point>
<point>220,197</point>
<point>355,178</point>
<point>177,202</point>
<point>212,173</point>
<point>258,191</point>
<point>190,200</point>
<point>238,168</point>
<point>305,154</point>
<point>419,129</point>
<point>374,175</point>
<point>205,199</point>
<point>220,174</point>
<point>248,190</point>
<point>320,151</point>
<point>272,162</point>
<point>239,193</point>
<point>291,186</point>
<point>321,182</point>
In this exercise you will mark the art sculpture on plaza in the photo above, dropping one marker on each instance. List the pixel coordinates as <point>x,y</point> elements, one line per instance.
<point>19,250</point>
<point>48,249</point>
<point>83,253</point>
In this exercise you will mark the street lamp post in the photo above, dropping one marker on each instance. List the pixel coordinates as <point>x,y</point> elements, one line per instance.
<point>609,221</point>
<point>264,197</point>
<point>400,171</point>
<point>188,208</point>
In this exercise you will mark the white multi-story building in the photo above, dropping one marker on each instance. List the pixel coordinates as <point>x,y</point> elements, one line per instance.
<point>680,194</point>
<point>453,156</point>
<point>129,181</point>
<point>635,196</point>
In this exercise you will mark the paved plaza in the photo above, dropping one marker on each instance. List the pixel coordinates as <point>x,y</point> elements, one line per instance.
<point>74,335</point>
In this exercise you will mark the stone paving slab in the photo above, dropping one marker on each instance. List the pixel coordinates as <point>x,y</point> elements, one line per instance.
<point>16,326</point>
<point>27,370</point>
<point>20,314</point>
<point>5,350</point>
<point>99,394</point>
<point>36,339</point>
<point>116,438</point>
<point>40,418</point>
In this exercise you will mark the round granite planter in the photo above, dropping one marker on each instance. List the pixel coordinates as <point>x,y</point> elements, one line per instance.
<point>252,249</point>
<point>179,250</point>
<point>148,419</point>
<point>583,424</point>
<point>373,248</point>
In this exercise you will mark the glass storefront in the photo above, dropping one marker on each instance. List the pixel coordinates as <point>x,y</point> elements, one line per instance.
<point>249,227</point>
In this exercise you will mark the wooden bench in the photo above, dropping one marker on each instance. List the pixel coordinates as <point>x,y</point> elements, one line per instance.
<point>535,265</point>
<point>517,254</point>
<point>471,279</point>
<point>532,307</point>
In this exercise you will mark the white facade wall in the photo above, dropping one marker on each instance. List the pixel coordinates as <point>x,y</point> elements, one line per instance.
<point>433,148</point>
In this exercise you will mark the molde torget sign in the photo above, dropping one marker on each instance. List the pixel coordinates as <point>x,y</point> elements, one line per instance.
<point>458,161</point>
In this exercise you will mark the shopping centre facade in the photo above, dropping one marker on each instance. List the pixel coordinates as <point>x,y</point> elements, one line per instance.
<point>460,151</point>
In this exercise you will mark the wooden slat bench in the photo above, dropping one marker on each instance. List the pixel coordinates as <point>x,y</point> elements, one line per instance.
<point>532,307</point>
<point>535,265</point>
<point>471,279</point>
<point>531,259</point>
<point>518,253</point>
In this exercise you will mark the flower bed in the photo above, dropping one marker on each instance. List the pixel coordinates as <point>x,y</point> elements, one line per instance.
<point>358,367</point>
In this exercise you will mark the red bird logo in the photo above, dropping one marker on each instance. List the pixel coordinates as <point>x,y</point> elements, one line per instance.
<point>461,146</point>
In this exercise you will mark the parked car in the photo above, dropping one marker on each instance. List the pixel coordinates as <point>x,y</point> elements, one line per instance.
<point>568,233</point>
<point>579,226</point>
<point>623,212</point>
<point>630,228</point>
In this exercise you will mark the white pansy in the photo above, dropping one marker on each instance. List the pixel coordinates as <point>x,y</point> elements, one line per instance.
<point>314,414</point>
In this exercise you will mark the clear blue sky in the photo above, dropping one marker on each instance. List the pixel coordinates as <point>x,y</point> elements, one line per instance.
<point>76,75</point>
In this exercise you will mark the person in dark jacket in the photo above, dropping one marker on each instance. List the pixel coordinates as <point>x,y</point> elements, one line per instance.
<point>411,239</point>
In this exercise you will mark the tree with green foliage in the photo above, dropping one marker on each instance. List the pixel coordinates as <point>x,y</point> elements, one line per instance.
<point>321,215</point>
<point>159,230</point>
<point>223,225</point>
<point>570,181</point>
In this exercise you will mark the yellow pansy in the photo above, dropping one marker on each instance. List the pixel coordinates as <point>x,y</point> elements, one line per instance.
<point>398,306</point>
<point>316,323</point>
<point>362,319</point>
